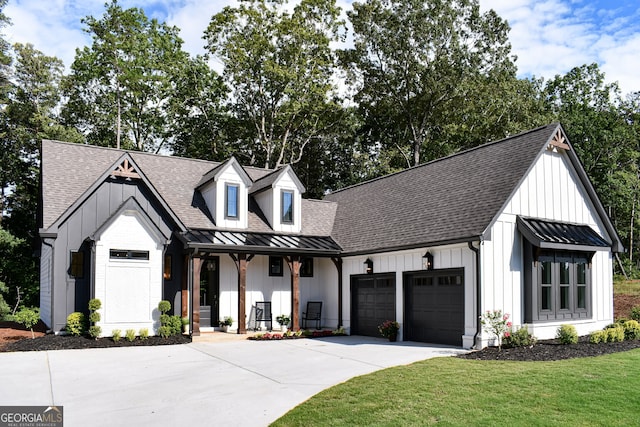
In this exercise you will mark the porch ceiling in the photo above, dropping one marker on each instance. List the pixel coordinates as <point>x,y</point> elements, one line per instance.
<point>239,241</point>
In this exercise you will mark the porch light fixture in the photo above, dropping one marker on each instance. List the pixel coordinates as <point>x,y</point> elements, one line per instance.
<point>427,261</point>
<point>368,266</point>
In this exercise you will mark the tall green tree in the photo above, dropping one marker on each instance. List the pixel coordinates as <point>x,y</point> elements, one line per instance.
<point>119,85</point>
<point>278,65</point>
<point>414,63</point>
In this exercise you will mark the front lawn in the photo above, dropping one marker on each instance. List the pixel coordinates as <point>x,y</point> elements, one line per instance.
<point>450,391</point>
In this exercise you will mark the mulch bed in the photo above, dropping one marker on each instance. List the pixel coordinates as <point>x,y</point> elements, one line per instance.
<point>548,350</point>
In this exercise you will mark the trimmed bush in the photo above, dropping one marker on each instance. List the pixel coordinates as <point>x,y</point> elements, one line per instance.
<point>95,331</point>
<point>164,331</point>
<point>631,330</point>
<point>598,337</point>
<point>28,317</point>
<point>94,304</point>
<point>164,306</point>
<point>635,313</point>
<point>94,317</point>
<point>116,334</point>
<point>130,334</point>
<point>567,334</point>
<point>175,323</point>
<point>615,333</point>
<point>76,324</point>
<point>519,338</point>
<point>143,334</point>
<point>164,319</point>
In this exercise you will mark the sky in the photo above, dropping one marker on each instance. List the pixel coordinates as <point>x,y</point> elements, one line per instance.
<point>549,37</point>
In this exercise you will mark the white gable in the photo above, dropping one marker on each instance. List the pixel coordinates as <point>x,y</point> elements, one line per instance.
<point>216,191</point>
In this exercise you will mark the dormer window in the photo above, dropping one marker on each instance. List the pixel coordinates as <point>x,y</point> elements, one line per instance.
<point>231,201</point>
<point>287,207</point>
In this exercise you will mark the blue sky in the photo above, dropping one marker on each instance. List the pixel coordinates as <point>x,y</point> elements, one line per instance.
<point>549,37</point>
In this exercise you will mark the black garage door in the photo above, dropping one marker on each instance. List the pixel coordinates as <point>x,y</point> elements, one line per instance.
<point>434,306</point>
<point>373,300</point>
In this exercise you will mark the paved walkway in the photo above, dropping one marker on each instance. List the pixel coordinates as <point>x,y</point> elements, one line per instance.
<point>225,383</point>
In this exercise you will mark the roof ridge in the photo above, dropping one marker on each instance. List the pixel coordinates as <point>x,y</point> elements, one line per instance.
<point>440,159</point>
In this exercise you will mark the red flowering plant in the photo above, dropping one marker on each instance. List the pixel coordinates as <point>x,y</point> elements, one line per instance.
<point>389,328</point>
<point>497,324</point>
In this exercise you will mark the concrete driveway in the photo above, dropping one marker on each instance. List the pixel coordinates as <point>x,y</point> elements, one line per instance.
<point>235,383</point>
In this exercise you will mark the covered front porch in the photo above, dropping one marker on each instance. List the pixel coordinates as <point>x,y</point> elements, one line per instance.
<point>226,273</point>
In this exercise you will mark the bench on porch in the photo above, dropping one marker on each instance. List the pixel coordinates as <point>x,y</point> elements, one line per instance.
<point>313,314</point>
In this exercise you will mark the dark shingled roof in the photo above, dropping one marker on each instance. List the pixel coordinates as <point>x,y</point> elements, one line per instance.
<point>453,199</point>
<point>69,170</point>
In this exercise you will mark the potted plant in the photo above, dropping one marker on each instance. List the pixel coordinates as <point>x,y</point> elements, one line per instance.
<point>185,325</point>
<point>283,320</point>
<point>389,329</point>
<point>225,323</point>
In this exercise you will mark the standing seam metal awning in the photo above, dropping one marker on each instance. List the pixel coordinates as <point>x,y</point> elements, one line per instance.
<point>238,241</point>
<point>561,235</point>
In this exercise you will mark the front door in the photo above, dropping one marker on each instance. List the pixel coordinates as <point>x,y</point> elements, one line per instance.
<point>209,291</point>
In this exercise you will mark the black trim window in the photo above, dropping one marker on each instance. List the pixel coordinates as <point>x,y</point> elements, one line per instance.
<point>275,266</point>
<point>128,254</point>
<point>231,197</point>
<point>306,267</point>
<point>76,269</point>
<point>287,206</point>
<point>563,286</point>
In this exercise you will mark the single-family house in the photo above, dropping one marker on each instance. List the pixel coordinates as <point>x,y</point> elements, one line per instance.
<point>513,225</point>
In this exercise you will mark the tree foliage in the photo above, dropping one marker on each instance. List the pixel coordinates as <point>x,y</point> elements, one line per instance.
<point>278,65</point>
<point>119,85</point>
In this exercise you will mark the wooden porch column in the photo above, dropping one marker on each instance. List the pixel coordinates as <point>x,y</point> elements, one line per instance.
<point>242,292</point>
<point>195,298</point>
<point>185,288</point>
<point>294,266</point>
<point>338,263</point>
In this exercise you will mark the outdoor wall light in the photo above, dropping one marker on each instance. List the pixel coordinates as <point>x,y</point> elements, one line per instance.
<point>427,261</point>
<point>368,266</point>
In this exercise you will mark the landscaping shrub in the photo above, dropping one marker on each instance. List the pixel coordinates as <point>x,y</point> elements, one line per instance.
<point>130,334</point>
<point>95,331</point>
<point>175,323</point>
<point>94,304</point>
<point>164,331</point>
<point>631,330</point>
<point>143,334</point>
<point>615,333</point>
<point>598,337</point>
<point>164,319</point>
<point>28,317</point>
<point>116,334</point>
<point>635,313</point>
<point>164,306</point>
<point>519,338</point>
<point>567,334</point>
<point>76,324</point>
<point>94,317</point>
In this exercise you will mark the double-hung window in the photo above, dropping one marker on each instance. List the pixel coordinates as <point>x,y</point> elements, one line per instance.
<point>231,201</point>
<point>287,206</point>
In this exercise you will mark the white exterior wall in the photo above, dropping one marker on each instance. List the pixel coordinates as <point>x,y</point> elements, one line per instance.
<point>129,290</point>
<point>551,191</point>
<point>262,287</point>
<point>452,256</point>
<point>46,256</point>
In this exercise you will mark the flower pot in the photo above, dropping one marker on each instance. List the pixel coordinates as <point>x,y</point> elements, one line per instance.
<point>393,338</point>
<point>224,328</point>
<point>283,328</point>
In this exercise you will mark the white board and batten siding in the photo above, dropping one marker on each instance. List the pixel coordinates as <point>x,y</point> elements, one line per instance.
<point>552,191</point>
<point>277,289</point>
<point>129,289</point>
<point>444,257</point>
<point>46,256</point>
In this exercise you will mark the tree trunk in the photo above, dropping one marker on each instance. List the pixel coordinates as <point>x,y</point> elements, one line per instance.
<point>633,214</point>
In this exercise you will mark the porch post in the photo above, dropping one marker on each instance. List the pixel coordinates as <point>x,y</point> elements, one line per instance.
<point>195,298</point>
<point>185,288</point>
<point>242,291</point>
<point>338,263</point>
<point>294,266</point>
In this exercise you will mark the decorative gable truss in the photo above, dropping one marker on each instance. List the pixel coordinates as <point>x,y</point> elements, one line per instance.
<point>558,141</point>
<point>125,170</point>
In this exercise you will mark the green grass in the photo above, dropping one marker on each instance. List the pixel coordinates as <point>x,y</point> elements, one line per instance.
<point>626,287</point>
<point>594,391</point>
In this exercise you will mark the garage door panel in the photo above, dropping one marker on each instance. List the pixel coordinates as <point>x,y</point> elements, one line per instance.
<point>434,304</point>
<point>373,302</point>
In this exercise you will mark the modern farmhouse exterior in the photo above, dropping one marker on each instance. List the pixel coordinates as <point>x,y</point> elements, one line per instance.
<point>513,225</point>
